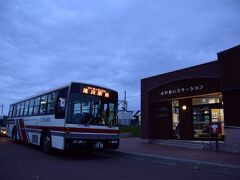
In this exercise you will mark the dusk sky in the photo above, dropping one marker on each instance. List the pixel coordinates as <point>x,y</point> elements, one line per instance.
<point>48,43</point>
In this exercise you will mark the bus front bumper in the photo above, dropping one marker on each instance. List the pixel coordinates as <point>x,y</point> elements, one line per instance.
<point>92,144</point>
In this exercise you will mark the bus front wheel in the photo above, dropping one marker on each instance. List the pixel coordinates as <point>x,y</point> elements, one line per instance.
<point>46,143</point>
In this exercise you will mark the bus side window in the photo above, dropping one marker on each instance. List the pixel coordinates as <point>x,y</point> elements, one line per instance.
<point>51,103</point>
<point>14,111</point>
<point>30,110</point>
<point>26,108</point>
<point>22,109</point>
<point>18,109</point>
<point>36,106</point>
<point>43,105</point>
<point>10,111</point>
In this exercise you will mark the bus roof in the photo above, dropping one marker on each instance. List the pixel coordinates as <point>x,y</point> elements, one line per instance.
<point>57,88</point>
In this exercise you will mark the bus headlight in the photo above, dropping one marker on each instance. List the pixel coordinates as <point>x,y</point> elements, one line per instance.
<point>3,132</point>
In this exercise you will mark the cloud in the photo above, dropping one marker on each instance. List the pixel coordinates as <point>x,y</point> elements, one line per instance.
<point>44,44</point>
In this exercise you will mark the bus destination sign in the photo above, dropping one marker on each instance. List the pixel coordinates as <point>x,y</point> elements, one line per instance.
<point>95,91</point>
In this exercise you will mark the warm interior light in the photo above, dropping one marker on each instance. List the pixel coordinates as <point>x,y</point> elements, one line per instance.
<point>184,107</point>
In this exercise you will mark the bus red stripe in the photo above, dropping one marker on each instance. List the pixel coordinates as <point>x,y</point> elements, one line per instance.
<point>86,130</point>
<point>23,130</point>
<point>109,131</point>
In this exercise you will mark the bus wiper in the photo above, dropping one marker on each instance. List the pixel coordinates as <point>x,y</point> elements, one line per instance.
<point>89,121</point>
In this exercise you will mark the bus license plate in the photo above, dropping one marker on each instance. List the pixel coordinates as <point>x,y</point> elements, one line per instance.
<point>98,145</point>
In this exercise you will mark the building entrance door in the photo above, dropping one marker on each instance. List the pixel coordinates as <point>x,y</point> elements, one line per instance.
<point>175,119</point>
<point>204,116</point>
<point>201,122</point>
<point>218,120</point>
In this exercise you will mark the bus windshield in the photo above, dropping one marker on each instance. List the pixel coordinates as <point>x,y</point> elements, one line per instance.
<point>91,110</point>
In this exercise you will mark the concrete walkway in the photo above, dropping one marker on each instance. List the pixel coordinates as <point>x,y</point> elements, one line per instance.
<point>218,162</point>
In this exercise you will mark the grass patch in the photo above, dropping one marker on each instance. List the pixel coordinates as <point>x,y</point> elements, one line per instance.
<point>134,130</point>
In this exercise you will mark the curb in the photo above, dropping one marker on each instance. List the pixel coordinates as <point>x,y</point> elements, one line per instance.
<point>185,163</point>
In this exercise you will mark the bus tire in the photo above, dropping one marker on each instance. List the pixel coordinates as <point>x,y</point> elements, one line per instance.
<point>14,135</point>
<point>46,142</point>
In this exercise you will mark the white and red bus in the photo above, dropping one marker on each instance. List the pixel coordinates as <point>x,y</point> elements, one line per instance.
<point>76,115</point>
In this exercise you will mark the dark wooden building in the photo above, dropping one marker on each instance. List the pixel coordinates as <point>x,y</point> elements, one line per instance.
<point>189,103</point>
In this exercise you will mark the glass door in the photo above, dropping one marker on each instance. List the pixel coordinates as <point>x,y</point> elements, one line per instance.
<point>201,122</point>
<point>175,119</point>
<point>207,111</point>
<point>218,119</point>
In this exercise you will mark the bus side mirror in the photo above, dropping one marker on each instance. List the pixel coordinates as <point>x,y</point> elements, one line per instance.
<point>62,102</point>
<point>60,111</point>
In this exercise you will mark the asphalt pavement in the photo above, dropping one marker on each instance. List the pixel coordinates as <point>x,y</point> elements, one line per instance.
<point>21,161</point>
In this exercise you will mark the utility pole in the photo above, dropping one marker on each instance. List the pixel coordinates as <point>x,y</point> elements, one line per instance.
<point>2,109</point>
<point>124,102</point>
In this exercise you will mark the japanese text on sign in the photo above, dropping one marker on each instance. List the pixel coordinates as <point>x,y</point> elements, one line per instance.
<point>95,91</point>
<point>182,90</point>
